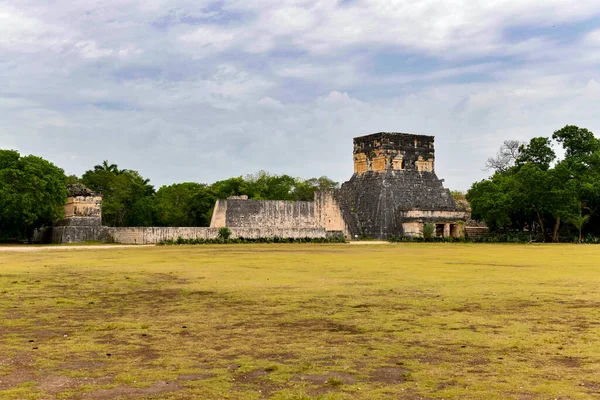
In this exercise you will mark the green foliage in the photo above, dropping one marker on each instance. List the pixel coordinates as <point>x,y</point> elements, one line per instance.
<point>546,201</point>
<point>32,194</point>
<point>72,179</point>
<point>128,198</point>
<point>224,233</point>
<point>577,142</point>
<point>176,204</point>
<point>265,186</point>
<point>538,152</point>
<point>428,231</point>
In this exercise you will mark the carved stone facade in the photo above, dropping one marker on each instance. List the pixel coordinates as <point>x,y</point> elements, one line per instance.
<point>83,207</point>
<point>389,151</point>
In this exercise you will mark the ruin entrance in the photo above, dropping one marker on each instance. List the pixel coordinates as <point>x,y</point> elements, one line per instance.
<point>454,230</point>
<point>439,230</point>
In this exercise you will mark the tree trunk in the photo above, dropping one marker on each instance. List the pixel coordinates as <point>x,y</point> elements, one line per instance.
<point>541,224</point>
<point>556,226</point>
<point>580,229</point>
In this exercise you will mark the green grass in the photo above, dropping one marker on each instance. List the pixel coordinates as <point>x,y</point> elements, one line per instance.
<point>409,321</point>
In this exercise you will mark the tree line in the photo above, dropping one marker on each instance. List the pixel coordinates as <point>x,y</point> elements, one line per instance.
<point>533,192</point>
<point>33,192</point>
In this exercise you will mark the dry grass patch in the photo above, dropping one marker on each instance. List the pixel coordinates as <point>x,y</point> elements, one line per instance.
<point>301,322</point>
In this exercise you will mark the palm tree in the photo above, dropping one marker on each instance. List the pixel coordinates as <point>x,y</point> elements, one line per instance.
<point>579,221</point>
<point>105,166</point>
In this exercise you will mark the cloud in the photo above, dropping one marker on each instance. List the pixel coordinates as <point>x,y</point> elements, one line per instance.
<point>201,90</point>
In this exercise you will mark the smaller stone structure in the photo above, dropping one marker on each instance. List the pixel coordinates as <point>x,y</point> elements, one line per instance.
<point>82,218</point>
<point>83,207</point>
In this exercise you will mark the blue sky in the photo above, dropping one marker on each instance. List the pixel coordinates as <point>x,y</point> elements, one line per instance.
<point>201,90</point>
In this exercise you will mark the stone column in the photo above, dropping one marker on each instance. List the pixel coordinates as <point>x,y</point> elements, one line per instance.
<point>446,230</point>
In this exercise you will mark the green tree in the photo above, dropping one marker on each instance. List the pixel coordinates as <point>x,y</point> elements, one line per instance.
<point>490,202</point>
<point>579,221</point>
<point>174,204</point>
<point>577,142</point>
<point>32,194</point>
<point>231,187</point>
<point>304,190</point>
<point>535,194</point>
<point>202,205</point>
<point>538,152</point>
<point>127,198</point>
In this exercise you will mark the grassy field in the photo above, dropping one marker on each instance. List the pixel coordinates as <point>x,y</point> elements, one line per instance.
<point>405,321</point>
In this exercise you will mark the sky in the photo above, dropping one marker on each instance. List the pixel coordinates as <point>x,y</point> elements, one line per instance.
<point>202,90</point>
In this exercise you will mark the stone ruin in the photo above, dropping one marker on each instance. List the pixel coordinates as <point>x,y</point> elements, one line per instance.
<point>83,207</point>
<point>394,191</point>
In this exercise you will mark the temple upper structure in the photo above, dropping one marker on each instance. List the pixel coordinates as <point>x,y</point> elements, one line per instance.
<point>390,151</point>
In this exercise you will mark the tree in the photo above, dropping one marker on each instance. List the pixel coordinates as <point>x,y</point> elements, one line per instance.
<point>202,205</point>
<point>538,152</point>
<point>490,202</point>
<point>304,190</point>
<point>174,204</point>
<point>505,158</point>
<point>72,179</point>
<point>105,166</point>
<point>579,221</point>
<point>231,187</point>
<point>265,186</point>
<point>535,193</point>
<point>577,142</point>
<point>32,194</point>
<point>127,198</point>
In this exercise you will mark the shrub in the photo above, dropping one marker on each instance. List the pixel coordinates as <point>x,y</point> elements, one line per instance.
<point>224,233</point>
<point>428,231</point>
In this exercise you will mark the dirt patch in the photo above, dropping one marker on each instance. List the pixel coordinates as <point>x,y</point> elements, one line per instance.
<point>390,375</point>
<point>343,378</point>
<point>478,361</point>
<point>56,383</point>
<point>195,377</point>
<point>251,376</point>
<point>572,362</point>
<point>277,357</point>
<point>88,365</point>
<point>321,325</point>
<point>129,392</point>
<point>591,387</point>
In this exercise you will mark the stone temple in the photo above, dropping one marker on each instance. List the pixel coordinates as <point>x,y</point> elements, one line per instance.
<point>393,192</point>
<point>394,189</point>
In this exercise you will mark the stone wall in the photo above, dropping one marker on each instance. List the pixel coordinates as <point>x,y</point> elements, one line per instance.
<point>219,216</point>
<point>154,235</point>
<point>77,234</point>
<point>476,232</point>
<point>328,212</point>
<point>240,213</point>
<point>434,215</point>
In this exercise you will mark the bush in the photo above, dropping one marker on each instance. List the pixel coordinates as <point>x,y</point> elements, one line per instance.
<point>428,231</point>
<point>224,233</point>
